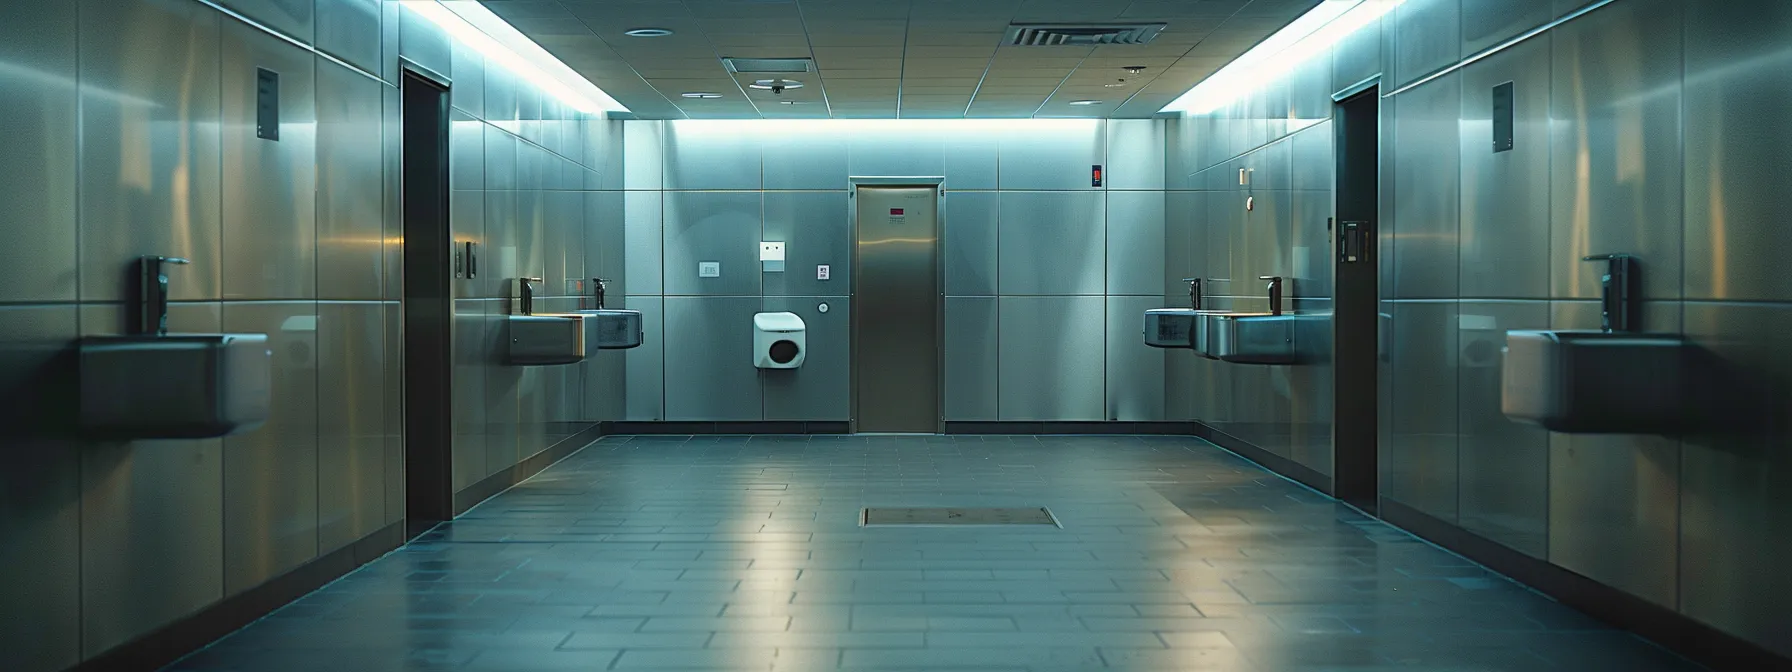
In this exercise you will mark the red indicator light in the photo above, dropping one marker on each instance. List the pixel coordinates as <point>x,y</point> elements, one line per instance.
<point>895,212</point>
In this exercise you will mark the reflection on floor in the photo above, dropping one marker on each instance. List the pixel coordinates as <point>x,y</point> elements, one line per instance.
<point>745,554</point>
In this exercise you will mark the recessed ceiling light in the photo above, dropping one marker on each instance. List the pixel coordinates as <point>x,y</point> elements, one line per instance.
<point>705,95</point>
<point>1085,102</point>
<point>1134,69</point>
<point>647,32</point>
<point>776,85</point>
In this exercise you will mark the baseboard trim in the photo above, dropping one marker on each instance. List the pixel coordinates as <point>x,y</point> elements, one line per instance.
<point>1067,427</point>
<point>169,643</point>
<point>490,486</point>
<point>740,427</point>
<point>1683,635</point>
<point>1304,474</point>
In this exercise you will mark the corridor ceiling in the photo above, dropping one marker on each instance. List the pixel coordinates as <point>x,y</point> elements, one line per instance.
<point>884,59</point>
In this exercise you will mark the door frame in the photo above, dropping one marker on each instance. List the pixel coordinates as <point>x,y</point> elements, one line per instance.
<point>938,184</point>
<point>1356,356</point>
<point>427,415</point>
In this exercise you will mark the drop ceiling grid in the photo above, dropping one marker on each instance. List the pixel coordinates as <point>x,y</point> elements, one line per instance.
<point>890,58</point>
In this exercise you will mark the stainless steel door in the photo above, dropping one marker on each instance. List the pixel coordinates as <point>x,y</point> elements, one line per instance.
<point>896,310</point>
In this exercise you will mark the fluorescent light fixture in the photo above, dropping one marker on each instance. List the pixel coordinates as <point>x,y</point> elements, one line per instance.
<point>701,95</point>
<point>501,43</point>
<point>1085,102</point>
<point>1309,35</point>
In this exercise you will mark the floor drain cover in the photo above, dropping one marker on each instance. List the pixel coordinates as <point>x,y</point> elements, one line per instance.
<point>950,516</point>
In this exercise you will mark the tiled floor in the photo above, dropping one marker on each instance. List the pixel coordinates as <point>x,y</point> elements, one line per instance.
<point>745,554</point>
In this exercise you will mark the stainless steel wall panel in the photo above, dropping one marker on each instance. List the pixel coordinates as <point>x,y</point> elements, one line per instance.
<point>971,360</point>
<point>426,44</point>
<point>1264,246</point>
<point>1051,155</point>
<point>1179,384</point>
<point>1504,234</point>
<point>710,155</point>
<point>1503,466</point>
<point>500,160</point>
<point>1312,165</point>
<point>1733,511</point>
<point>528,113</point>
<point>1225,218</point>
<point>41,522</point>
<point>1736,93</point>
<point>1135,154</point>
<point>503,391</point>
<point>606,240</point>
<point>1309,92</point>
<point>149,180</point>
<point>1419,468</point>
<point>1050,357</point>
<point>1135,245</point>
<point>1358,56</point>
<point>1134,371</point>
<point>1487,23</point>
<point>529,242</point>
<point>499,247</point>
<point>973,159</point>
<point>531,166</point>
<point>713,226</point>
<point>1185,221</point>
<point>1616,183</point>
<point>1427,37</point>
<point>466,151</point>
<point>471,327</point>
<point>821,389</point>
<point>351,445</point>
<point>970,223</point>
<point>564,253</point>
<point>1278,105</point>
<point>1052,243</point>
<point>350,30</point>
<point>709,359</point>
<point>1614,500</point>
<point>817,230</point>
<point>392,378</point>
<point>270,475</point>
<point>1426,165</point>
<point>1311,267</point>
<point>501,97</point>
<point>646,365</point>
<point>270,222</point>
<point>642,165</point>
<point>295,19</point>
<point>350,198</point>
<point>893,151</point>
<point>1311,388</point>
<point>806,161</point>
<point>468,92</point>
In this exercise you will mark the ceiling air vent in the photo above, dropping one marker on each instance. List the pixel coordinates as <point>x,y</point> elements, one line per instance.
<point>764,65</point>
<point>1080,34</point>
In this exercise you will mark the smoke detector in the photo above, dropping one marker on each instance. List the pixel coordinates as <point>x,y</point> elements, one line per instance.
<point>1080,34</point>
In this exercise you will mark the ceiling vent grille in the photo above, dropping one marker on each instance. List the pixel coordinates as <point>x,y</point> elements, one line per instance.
<point>1080,34</point>
<point>768,65</point>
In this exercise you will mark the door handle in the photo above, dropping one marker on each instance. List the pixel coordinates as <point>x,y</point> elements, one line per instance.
<point>1353,244</point>
<point>472,260</point>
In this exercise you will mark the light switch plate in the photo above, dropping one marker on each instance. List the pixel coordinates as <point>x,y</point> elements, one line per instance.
<point>771,251</point>
<point>709,269</point>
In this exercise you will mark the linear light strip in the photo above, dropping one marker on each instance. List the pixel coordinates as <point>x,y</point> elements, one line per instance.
<point>499,42</point>
<point>1311,34</point>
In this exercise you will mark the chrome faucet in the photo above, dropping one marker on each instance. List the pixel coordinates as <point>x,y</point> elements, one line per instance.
<point>598,287</point>
<point>1194,293</point>
<point>527,306</point>
<point>152,317</point>
<point>1275,293</point>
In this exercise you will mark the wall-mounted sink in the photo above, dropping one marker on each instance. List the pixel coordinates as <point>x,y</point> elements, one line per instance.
<point>613,329</point>
<point>549,338</point>
<point>1247,338</point>
<point>1596,381</point>
<point>1172,327</point>
<point>180,386</point>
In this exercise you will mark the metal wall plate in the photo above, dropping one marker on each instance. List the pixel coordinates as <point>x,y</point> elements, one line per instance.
<point>947,517</point>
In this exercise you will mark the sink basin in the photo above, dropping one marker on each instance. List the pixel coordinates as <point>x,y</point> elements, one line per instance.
<point>1247,338</point>
<point>183,386</point>
<point>1171,327</point>
<point>548,339</point>
<point>613,329</point>
<point>1595,382</point>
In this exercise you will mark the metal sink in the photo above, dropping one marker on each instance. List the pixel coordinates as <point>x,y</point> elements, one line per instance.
<point>1596,381</point>
<point>181,386</point>
<point>1172,327</point>
<point>549,338</point>
<point>613,329</point>
<point>1247,338</point>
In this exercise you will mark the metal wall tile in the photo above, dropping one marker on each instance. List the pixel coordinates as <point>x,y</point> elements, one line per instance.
<point>1732,508</point>
<point>564,253</point>
<point>1278,105</point>
<point>1135,232</point>
<point>1135,154</point>
<point>1504,234</point>
<point>1311,389</point>
<point>1310,88</point>
<point>606,245</point>
<point>971,366</point>
<point>821,389</point>
<point>805,160</point>
<point>897,151</point>
<point>1736,90</point>
<point>817,230</point>
<point>1628,196</point>
<point>973,159</point>
<point>528,242</point>
<point>426,44</point>
<point>295,19</point>
<point>503,391</point>
<point>713,226</point>
<point>500,161</point>
<point>1224,223</point>
<point>642,163</point>
<point>528,112</point>
<point>1135,371</point>
<point>350,30</point>
<point>351,442</point>
<point>1052,243</point>
<point>392,379</point>
<point>498,262</point>
<point>1264,246</point>
<point>1427,37</point>
<point>467,93</point>
<point>1054,155</point>
<point>709,359</point>
<point>41,521</point>
<point>466,151</point>
<point>1185,221</point>
<point>1311,267</point>
<point>270,222</point>
<point>270,475</point>
<point>605,384</point>
<point>1419,467</point>
<point>1502,466</point>
<point>350,197</point>
<point>970,222</point>
<point>707,155</point>
<point>1050,357</point>
<point>1357,57</point>
<point>1614,500</point>
<point>1311,162</point>
<point>149,181</point>
<point>501,106</point>
<point>1426,166</point>
<point>1487,23</point>
<point>471,336</point>
<point>646,365</point>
